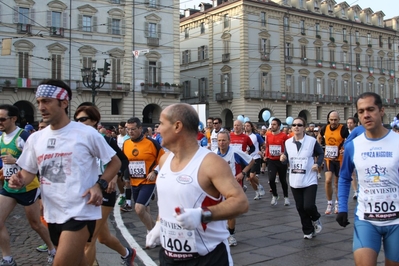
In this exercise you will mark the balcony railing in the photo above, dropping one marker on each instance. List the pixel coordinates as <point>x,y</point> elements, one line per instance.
<point>294,97</point>
<point>224,96</point>
<point>109,87</point>
<point>195,99</point>
<point>153,41</point>
<point>304,61</point>
<point>265,57</point>
<point>56,31</point>
<point>225,58</point>
<point>288,59</point>
<point>150,89</point>
<point>24,28</point>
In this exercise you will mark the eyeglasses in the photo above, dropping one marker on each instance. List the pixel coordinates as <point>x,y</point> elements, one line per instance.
<point>216,123</point>
<point>297,125</point>
<point>131,129</point>
<point>3,119</point>
<point>82,119</point>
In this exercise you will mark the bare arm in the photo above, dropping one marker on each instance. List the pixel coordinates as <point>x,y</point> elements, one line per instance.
<point>216,178</point>
<point>20,179</point>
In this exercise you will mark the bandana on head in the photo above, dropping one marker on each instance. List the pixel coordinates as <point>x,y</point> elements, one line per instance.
<point>51,91</point>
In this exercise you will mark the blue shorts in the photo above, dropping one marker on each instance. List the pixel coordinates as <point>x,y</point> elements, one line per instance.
<point>367,235</point>
<point>142,193</point>
<point>25,198</point>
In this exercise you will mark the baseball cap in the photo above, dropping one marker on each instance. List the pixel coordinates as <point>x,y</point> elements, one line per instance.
<point>264,127</point>
<point>311,125</point>
<point>29,128</point>
<point>316,129</point>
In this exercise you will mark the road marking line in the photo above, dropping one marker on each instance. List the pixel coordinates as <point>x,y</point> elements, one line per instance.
<point>141,254</point>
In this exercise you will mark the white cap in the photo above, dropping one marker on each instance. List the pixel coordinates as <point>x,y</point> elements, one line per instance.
<point>264,127</point>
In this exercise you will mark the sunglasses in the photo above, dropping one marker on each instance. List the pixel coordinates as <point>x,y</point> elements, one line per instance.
<point>82,119</point>
<point>297,125</point>
<point>3,119</point>
<point>216,123</point>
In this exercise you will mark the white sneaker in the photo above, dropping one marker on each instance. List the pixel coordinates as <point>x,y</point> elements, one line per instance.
<point>277,179</point>
<point>261,190</point>
<point>286,202</point>
<point>329,209</point>
<point>274,201</point>
<point>232,241</point>
<point>336,208</point>
<point>318,176</point>
<point>309,236</point>
<point>317,226</point>
<point>257,196</point>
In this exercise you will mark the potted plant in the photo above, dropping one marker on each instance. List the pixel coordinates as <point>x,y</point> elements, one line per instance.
<point>167,84</point>
<point>142,84</point>
<point>156,84</point>
<point>7,83</point>
<point>332,39</point>
<point>174,85</point>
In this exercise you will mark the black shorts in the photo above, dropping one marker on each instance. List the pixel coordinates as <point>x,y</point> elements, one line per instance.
<point>25,198</point>
<point>332,166</point>
<point>73,225</point>
<point>217,257</point>
<point>109,199</point>
<point>142,193</point>
<point>256,167</point>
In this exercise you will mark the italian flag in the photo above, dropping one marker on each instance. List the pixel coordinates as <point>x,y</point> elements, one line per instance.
<point>23,83</point>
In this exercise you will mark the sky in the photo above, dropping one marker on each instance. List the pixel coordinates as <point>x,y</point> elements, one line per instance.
<point>389,7</point>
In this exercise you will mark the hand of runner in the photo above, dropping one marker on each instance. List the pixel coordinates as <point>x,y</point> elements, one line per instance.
<point>153,237</point>
<point>315,167</point>
<point>188,218</point>
<point>16,181</point>
<point>96,195</point>
<point>8,159</point>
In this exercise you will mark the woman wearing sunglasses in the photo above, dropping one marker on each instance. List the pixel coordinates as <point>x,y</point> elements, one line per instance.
<point>90,116</point>
<point>300,151</point>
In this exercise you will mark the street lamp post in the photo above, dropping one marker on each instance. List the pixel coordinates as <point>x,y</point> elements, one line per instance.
<point>89,77</point>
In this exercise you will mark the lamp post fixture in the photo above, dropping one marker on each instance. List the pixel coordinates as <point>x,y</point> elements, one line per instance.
<point>89,77</point>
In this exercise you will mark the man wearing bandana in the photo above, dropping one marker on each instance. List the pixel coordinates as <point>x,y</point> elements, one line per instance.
<point>71,204</point>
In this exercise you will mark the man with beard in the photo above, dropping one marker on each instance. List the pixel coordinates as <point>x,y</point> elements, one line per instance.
<point>334,135</point>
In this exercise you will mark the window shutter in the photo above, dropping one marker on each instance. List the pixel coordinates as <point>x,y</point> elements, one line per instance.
<point>221,83</point>
<point>199,53</point>
<point>323,86</point>
<point>53,66</point>
<point>260,45</point>
<point>269,81</point>
<point>206,52</point>
<point>64,20</point>
<point>146,70</point>
<point>159,30</point>
<point>49,18</point>
<point>32,16</point>
<point>94,27</point>
<point>300,84</point>
<point>80,22</point>
<point>113,71</point>
<point>292,84</point>
<point>315,86</point>
<point>307,85</point>
<point>189,56</point>
<point>26,65</point>
<point>109,25</point>
<point>16,14</point>
<point>123,26</point>
<point>146,29</point>
<point>182,58</point>
<point>159,71</point>
<point>59,72</point>
<point>261,88</point>
<point>268,46</point>
<point>20,65</point>
<point>292,51</point>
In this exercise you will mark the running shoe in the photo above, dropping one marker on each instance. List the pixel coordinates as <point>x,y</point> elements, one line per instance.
<point>257,196</point>
<point>3,262</point>
<point>329,209</point>
<point>122,201</point>
<point>274,201</point>
<point>277,179</point>
<point>232,241</point>
<point>126,208</point>
<point>318,176</point>
<point>336,208</point>
<point>129,260</point>
<point>355,196</point>
<point>309,236</point>
<point>286,202</point>
<point>317,226</point>
<point>50,259</point>
<point>42,248</point>
<point>244,187</point>
<point>261,190</point>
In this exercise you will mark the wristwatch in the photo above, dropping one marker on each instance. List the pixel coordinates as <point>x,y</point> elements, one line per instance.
<point>244,174</point>
<point>206,215</point>
<point>155,172</point>
<point>103,184</point>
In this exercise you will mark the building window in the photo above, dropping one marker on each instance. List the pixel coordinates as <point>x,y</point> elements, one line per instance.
<point>368,39</point>
<point>116,106</point>
<point>226,46</point>
<point>357,38</point>
<point>381,63</point>
<point>56,19</point>
<point>226,21</point>
<point>264,50</point>
<point>319,54</point>
<point>56,70</point>
<point>202,27</point>
<point>380,41</point>
<point>152,3</point>
<point>288,51</point>
<point>23,15</point>
<point>186,89</point>
<point>23,65</point>
<point>302,26</point>
<point>152,30</point>
<point>344,34</point>
<point>331,32</point>
<point>288,79</point>
<point>389,43</point>
<point>263,19</point>
<point>317,29</point>
<point>186,57</point>
<point>116,26</point>
<point>358,88</point>
<point>332,87</point>
<point>86,23</point>
<point>203,52</point>
<point>152,72</point>
<point>330,9</point>
<point>263,81</point>
<point>357,60</point>
<point>367,18</point>
<point>369,61</point>
<point>186,33</point>
<point>226,82</point>
<point>345,88</point>
<point>300,3</point>
<point>342,12</point>
<point>332,55</point>
<point>303,51</point>
<point>116,74</point>
<point>316,5</point>
<point>286,23</point>
<point>318,86</point>
<point>304,84</point>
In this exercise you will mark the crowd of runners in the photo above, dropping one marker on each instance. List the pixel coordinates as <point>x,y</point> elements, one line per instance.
<point>67,175</point>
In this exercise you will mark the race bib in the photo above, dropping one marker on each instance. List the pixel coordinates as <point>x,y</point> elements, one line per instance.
<point>382,208</point>
<point>298,165</point>
<point>275,150</point>
<point>137,169</point>
<point>236,147</point>
<point>9,170</point>
<point>214,144</point>
<point>178,242</point>
<point>331,152</point>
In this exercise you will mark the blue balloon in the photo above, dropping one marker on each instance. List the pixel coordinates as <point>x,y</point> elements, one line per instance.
<point>271,119</point>
<point>241,118</point>
<point>246,119</point>
<point>266,115</point>
<point>201,126</point>
<point>289,120</point>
